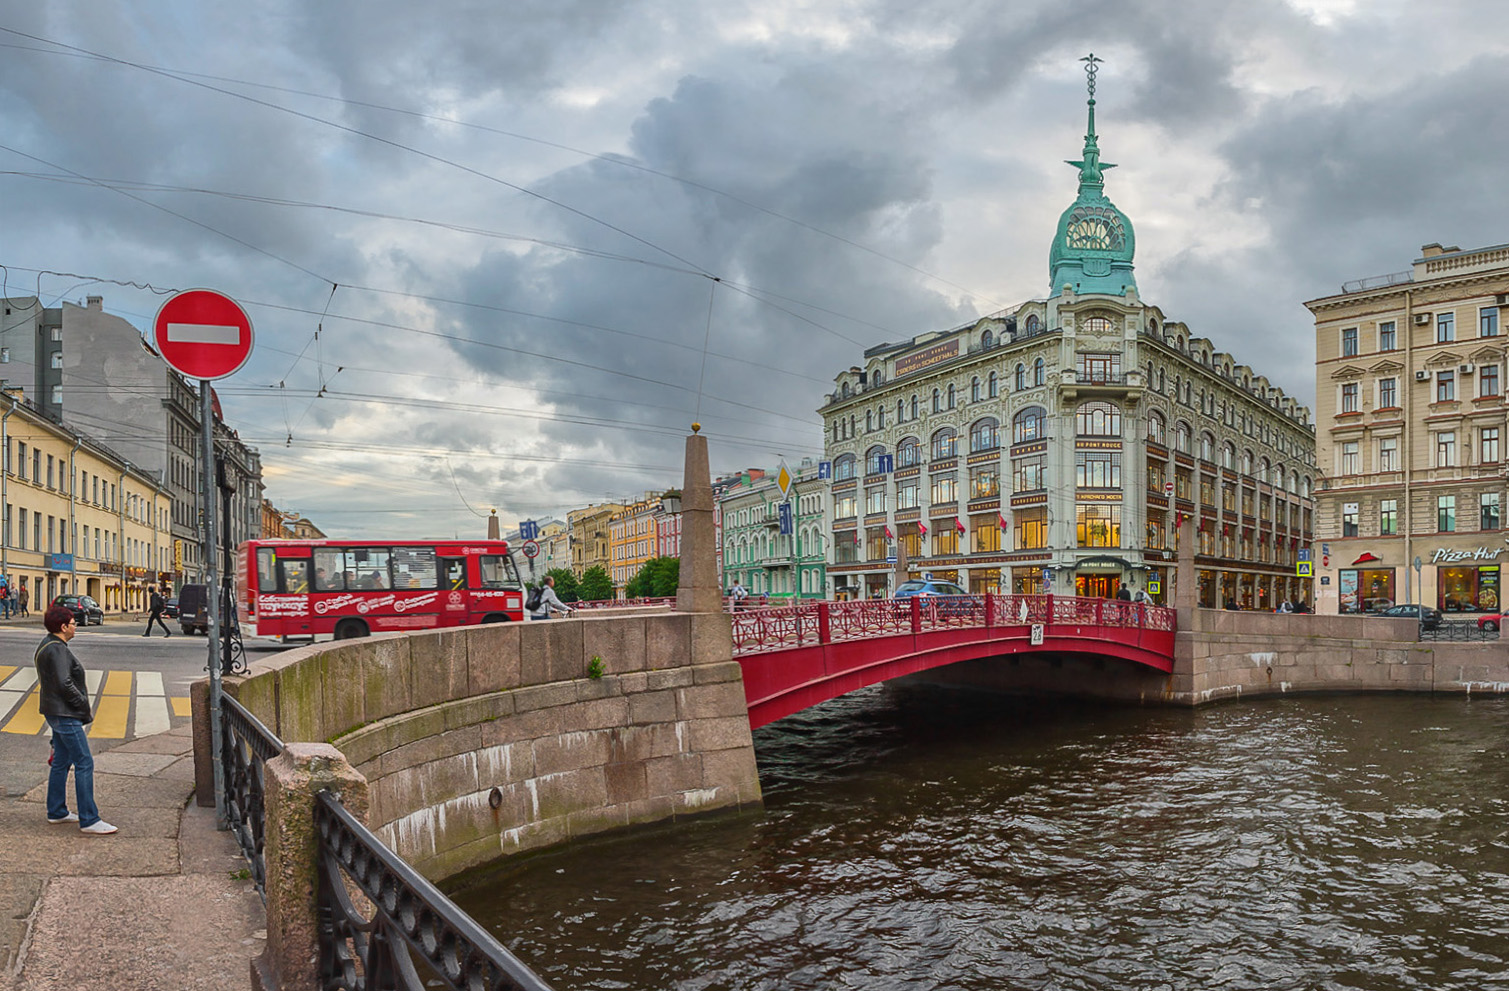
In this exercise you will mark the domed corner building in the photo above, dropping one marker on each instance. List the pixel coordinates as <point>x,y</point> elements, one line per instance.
<point>1053,447</point>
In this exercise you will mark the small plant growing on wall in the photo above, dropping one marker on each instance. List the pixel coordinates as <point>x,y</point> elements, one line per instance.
<point>595,668</point>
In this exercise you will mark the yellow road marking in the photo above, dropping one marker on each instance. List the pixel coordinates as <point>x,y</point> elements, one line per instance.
<point>181,706</point>
<point>28,719</point>
<point>6,670</point>
<point>110,718</point>
<point>118,683</point>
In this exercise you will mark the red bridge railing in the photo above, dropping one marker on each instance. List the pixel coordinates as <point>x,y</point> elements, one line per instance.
<point>758,631</point>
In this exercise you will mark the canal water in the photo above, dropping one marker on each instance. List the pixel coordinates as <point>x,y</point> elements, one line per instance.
<point>928,839</point>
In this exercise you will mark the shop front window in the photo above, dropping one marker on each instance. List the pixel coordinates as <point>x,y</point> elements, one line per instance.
<point>1468,589</point>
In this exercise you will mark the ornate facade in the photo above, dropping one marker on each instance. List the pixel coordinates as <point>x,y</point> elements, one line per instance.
<point>1055,446</point>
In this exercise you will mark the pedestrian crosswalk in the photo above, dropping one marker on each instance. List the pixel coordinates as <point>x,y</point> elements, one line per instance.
<point>133,701</point>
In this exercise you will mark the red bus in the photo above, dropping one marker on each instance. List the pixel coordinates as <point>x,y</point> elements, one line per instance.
<point>350,588</point>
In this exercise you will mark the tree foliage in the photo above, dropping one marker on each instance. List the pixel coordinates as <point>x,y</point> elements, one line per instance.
<point>565,584</point>
<point>659,578</point>
<point>595,584</point>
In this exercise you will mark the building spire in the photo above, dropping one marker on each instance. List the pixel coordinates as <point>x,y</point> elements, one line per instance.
<point>1091,168</point>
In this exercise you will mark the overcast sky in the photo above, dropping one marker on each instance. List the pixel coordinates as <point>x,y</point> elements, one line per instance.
<point>558,231</point>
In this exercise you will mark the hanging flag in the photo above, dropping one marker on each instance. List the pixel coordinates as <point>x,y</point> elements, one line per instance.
<point>1002,517</point>
<point>921,529</point>
<point>959,525</point>
<point>856,536</point>
<point>889,535</point>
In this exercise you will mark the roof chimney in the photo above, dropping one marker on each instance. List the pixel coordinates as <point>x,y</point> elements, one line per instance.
<point>95,302</point>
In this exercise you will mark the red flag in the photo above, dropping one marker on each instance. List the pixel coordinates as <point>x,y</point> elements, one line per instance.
<point>889,535</point>
<point>856,537</point>
<point>1002,517</point>
<point>959,525</point>
<point>921,529</point>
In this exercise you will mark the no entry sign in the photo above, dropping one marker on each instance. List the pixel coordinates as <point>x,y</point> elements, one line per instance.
<point>203,334</point>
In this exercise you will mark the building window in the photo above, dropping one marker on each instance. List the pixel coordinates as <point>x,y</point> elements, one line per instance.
<point>984,483</point>
<point>1388,454</point>
<point>1098,420</point>
<point>1488,321</point>
<point>1388,517</point>
<point>1037,372</point>
<point>1028,425</point>
<point>844,467</point>
<point>845,506</point>
<point>1349,520</point>
<point>1488,380</point>
<point>994,388</point>
<point>1388,393</point>
<point>1098,525</point>
<point>914,407</point>
<point>974,389</point>
<point>1027,474</point>
<point>1349,342</point>
<point>908,452</point>
<point>987,535</point>
<point>1388,338</point>
<point>1446,386</point>
<point>1446,513</point>
<point>1156,428</point>
<point>1351,458</point>
<point>1489,515</point>
<point>1349,397</point>
<point>1097,469</point>
<point>1021,377</point>
<point>906,496</point>
<point>983,436</point>
<point>875,500</point>
<point>945,489</point>
<point>950,395</point>
<point>945,443</point>
<point>874,460</point>
<point>1031,528</point>
<point>937,401</point>
<point>1182,438</point>
<point>1446,327</point>
<point>1488,445</point>
<point>1446,448</point>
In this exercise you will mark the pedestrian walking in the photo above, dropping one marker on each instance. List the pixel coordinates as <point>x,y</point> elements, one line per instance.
<point>154,614</point>
<point>4,597</point>
<point>64,701</point>
<point>22,598</point>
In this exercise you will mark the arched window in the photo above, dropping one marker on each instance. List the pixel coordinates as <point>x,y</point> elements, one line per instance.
<point>1029,424</point>
<point>872,460</point>
<point>843,467</point>
<point>984,435</point>
<point>846,389</point>
<point>945,443</point>
<point>1207,447</point>
<point>986,340</point>
<point>914,406</point>
<point>835,431</point>
<point>1160,381</point>
<point>1033,324</point>
<point>869,421</point>
<point>1265,470</point>
<point>950,395</point>
<point>974,389</point>
<point>851,425</point>
<point>908,452</point>
<point>1021,377</point>
<point>1037,372</point>
<point>1229,456</point>
<point>1156,428</point>
<point>937,401</point>
<point>1304,487</point>
<point>877,376</point>
<point>994,388</point>
<point>1247,462</point>
<point>1097,419</point>
<point>880,418</point>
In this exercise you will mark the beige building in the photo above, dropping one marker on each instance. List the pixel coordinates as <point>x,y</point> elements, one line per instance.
<point>1409,388</point>
<point>589,536</point>
<point>78,519</point>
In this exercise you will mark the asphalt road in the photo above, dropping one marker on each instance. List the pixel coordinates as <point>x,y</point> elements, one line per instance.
<point>142,682</point>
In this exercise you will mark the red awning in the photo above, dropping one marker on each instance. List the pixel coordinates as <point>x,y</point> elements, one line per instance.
<point>1367,557</point>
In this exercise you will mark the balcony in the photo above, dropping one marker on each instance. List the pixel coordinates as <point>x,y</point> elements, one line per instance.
<point>1093,383</point>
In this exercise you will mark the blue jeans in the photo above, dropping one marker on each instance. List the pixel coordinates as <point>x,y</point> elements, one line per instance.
<point>71,749</point>
<point>5,607</point>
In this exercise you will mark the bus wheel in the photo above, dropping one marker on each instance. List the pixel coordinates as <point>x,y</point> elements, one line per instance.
<point>350,629</point>
<point>495,617</point>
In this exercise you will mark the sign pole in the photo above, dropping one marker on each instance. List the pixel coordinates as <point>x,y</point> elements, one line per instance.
<point>212,592</point>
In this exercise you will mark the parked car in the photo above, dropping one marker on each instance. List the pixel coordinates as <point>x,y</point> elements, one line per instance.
<point>86,611</point>
<point>1376,605</point>
<point>927,586</point>
<point>1429,618</point>
<point>1489,622</point>
<point>170,608</point>
<point>193,609</point>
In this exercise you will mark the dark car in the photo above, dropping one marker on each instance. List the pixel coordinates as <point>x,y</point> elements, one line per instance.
<point>170,608</point>
<point>86,612</point>
<point>193,609</point>
<point>1429,618</point>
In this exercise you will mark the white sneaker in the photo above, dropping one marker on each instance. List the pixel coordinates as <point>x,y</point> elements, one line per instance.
<point>98,828</point>
<point>70,817</point>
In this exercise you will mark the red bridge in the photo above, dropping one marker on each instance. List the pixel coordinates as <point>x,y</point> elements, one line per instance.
<point>795,657</point>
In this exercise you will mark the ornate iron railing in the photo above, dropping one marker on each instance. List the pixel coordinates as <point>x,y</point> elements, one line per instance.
<point>245,748</point>
<point>405,920</point>
<point>1449,630</point>
<point>759,631</point>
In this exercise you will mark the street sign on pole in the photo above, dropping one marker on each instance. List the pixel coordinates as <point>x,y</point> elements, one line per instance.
<point>531,549</point>
<point>529,530</point>
<point>783,480</point>
<point>1304,569</point>
<point>202,334</point>
<point>1168,488</point>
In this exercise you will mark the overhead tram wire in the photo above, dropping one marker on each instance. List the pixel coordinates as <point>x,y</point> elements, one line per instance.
<point>615,160</point>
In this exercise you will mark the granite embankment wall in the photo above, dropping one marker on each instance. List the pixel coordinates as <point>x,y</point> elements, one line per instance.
<point>1225,655</point>
<point>485,741</point>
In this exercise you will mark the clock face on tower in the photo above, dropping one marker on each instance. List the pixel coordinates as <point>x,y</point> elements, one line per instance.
<point>1093,227</point>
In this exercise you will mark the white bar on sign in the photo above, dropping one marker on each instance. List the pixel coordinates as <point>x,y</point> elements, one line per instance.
<point>203,333</point>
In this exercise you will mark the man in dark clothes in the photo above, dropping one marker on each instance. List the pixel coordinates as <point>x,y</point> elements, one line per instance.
<point>64,701</point>
<point>154,614</point>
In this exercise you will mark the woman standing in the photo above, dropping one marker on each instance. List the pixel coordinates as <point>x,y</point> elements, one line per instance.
<point>65,703</point>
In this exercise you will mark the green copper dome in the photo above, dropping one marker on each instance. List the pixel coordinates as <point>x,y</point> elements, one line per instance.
<point>1092,250</point>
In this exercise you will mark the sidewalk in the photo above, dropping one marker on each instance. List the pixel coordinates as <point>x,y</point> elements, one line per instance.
<point>158,905</point>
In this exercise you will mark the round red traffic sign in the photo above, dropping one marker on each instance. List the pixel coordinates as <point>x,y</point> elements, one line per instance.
<point>203,334</point>
<point>531,549</point>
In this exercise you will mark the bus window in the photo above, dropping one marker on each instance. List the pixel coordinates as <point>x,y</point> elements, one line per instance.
<point>267,569</point>
<point>329,570</point>
<point>295,575</point>
<point>413,567</point>
<point>497,571</point>
<point>453,572</point>
<point>369,565</point>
